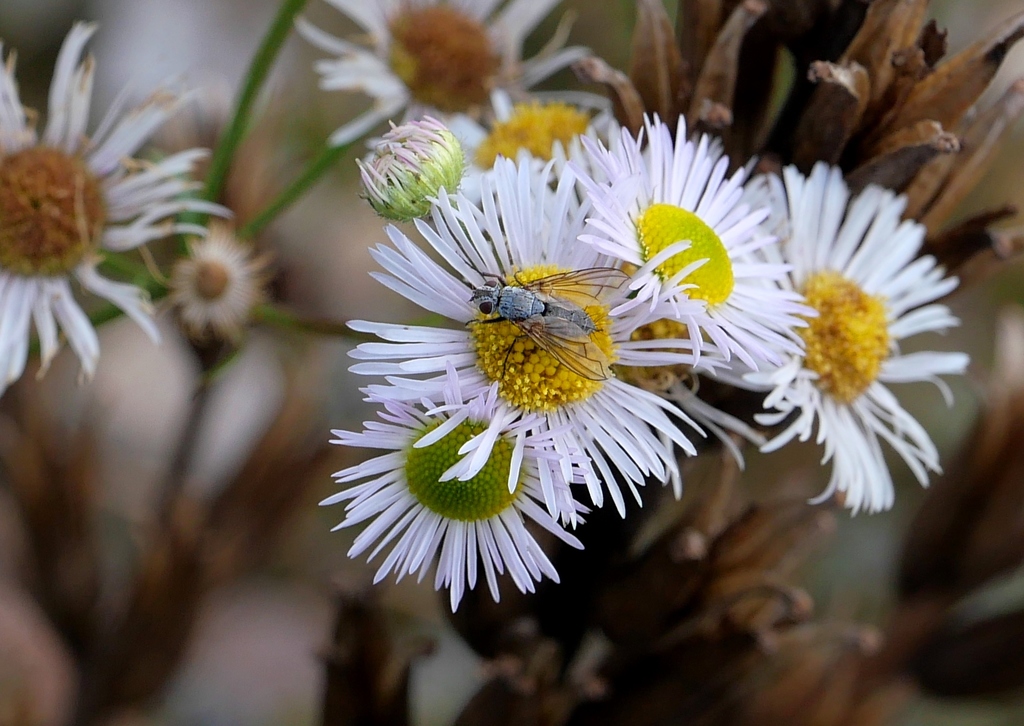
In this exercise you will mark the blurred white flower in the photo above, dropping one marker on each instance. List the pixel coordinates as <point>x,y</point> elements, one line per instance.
<point>215,287</point>
<point>432,56</point>
<point>65,197</point>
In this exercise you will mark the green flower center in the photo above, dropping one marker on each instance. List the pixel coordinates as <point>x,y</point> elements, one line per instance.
<point>482,497</point>
<point>849,340</point>
<point>444,57</point>
<point>663,225</point>
<point>52,212</point>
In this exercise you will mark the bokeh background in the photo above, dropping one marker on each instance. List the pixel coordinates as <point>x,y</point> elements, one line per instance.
<point>256,656</point>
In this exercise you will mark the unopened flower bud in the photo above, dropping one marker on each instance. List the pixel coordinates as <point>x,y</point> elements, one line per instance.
<point>410,166</point>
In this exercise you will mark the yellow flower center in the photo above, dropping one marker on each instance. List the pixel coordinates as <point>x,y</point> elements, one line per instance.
<point>529,376</point>
<point>482,497</point>
<point>658,378</point>
<point>849,340</point>
<point>444,56</point>
<point>662,225</point>
<point>533,127</point>
<point>52,212</point>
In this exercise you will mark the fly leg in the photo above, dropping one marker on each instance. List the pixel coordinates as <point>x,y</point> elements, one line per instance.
<point>508,353</point>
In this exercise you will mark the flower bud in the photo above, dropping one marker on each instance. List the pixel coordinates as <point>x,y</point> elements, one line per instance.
<point>410,166</point>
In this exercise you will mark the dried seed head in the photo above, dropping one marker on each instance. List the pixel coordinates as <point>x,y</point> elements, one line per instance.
<point>52,211</point>
<point>215,288</point>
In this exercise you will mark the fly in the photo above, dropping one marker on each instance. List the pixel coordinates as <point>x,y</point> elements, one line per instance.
<point>551,312</point>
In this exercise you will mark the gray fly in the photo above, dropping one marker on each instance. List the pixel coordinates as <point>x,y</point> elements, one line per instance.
<point>551,312</point>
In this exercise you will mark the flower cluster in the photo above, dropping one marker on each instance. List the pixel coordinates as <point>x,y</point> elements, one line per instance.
<point>590,277</point>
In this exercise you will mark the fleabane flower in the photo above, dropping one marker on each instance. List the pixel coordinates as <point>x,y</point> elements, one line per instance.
<point>857,264</point>
<point>669,210</point>
<point>433,56</point>
<point>557,364</point>
<point>419,497</point>
<point>410,165</point>
<point>537,129</point>
<point>65,197</point>
<point>545,129</point>
<point>215,287</point>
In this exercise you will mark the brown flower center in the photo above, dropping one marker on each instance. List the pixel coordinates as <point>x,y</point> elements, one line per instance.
<point>444,57</point>
<point>52,211</point>
<point>212,280</point>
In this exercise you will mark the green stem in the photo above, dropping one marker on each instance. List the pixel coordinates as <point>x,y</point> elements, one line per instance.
<point>261,64</point>
<point>281,318</point>
<point>309,176</point>
<point>123,267</point>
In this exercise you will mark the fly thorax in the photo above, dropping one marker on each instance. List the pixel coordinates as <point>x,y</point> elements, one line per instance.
<point>517,304</point>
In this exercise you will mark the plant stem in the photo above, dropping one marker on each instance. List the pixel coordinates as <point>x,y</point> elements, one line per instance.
<point>309,176</point>
<point>281,318</point>
<point>184,452</point>
<point>260,67</point>
<point>123,267</point>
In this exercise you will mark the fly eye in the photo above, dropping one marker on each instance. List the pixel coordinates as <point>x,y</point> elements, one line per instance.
<point>486,307</point>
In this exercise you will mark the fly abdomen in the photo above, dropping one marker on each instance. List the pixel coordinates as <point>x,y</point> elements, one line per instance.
<point>571,314</point>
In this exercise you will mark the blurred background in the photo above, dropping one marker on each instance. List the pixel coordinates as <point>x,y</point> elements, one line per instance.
<point>256,657</point>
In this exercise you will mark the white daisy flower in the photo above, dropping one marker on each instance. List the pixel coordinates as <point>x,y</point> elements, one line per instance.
<point>215,287</point>
<point>418,496</point>
<point>534,129</point>
<point>522,233</point>
<point>857,264</point>
<point>544,129</point>
<point>669,210</point>
<point>65,197</point>
<point>432,56</point>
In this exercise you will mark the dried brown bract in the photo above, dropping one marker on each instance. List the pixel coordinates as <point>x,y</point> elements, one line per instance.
<point>874,93</point>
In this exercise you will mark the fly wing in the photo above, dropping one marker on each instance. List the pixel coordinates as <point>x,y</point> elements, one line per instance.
<point>569,345</point>
<point>580,287</point>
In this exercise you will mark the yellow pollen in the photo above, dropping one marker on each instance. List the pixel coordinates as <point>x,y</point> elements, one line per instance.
<point>658,378</point>
<point>528,376</point>
<point>533,127</point>
<point>484,496</point>
<point>52,212</point>
<point>662,225</point>
<point>444,56</point>
<point>849,340</point>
